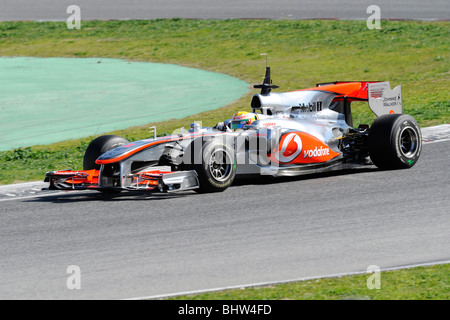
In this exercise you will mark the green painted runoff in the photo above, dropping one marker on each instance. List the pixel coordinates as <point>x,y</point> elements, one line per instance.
<point>46,100</point>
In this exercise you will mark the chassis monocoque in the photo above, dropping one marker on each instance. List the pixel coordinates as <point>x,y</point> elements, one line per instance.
<point>299,132</point>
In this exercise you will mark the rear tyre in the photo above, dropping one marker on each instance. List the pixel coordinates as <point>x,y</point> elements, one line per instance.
<point>395,141</point>
<point>100,146</point>
<point>217,170</point>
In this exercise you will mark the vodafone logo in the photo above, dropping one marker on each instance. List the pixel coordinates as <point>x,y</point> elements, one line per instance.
<point>291,147</point>
<point>302,148</point>
<point>317,152</point>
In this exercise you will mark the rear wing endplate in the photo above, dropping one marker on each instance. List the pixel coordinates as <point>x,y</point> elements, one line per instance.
<point>383,100</point>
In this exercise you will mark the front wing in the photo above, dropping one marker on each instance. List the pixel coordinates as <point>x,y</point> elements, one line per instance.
<point>155,180</point>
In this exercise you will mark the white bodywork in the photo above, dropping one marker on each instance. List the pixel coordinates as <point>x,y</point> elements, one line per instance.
<point>383,100</point>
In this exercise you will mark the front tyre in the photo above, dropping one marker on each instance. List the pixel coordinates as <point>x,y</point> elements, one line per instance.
<point>100,146</point>
<point>217,169</point>
<point>395,141</point>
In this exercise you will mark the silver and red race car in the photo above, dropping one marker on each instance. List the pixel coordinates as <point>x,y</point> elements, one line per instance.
<point>285,134</point>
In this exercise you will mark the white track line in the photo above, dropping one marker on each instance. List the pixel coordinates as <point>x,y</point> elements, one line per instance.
<point>436,133</point>
<point>33,190</point>
<point>264,284</point>
<point>31,197</point>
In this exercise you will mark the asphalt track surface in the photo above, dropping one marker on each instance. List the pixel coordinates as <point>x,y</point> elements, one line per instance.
<point>262,230</point>
<point>219,9</point>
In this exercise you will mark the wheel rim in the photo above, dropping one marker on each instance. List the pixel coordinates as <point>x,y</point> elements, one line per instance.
<point>408,142</point>
<point>220,165</point>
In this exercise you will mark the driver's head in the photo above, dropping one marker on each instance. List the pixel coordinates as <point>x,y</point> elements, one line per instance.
<point>241,119</point>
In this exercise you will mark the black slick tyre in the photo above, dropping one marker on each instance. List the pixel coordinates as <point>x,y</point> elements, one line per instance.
<point>395,142</point>
<point>217,168</point>
<point>100,146</point>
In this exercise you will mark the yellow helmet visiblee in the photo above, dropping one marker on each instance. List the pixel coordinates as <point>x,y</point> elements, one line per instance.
<point>241,119</point>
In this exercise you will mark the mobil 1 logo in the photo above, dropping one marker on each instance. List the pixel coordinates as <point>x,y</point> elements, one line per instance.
<point>310,107</point>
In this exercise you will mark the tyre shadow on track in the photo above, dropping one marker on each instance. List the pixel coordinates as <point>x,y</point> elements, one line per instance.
<point>95,196</point>
<point>266,180</point>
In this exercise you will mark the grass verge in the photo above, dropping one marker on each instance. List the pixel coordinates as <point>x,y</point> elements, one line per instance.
<point>414,54</point>
<point>421,283</point>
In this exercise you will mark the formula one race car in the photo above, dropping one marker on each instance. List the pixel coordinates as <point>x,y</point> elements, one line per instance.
<point>286,134</point>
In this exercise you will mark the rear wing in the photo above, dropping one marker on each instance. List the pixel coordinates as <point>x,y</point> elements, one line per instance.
<point>383,100</point>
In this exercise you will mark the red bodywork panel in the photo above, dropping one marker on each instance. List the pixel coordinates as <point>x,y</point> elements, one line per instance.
<point>351,90</point>
<point>85,177</point>
<point>89,179</point>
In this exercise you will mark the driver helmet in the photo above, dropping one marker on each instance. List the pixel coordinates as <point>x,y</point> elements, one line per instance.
<point>241,119</point>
